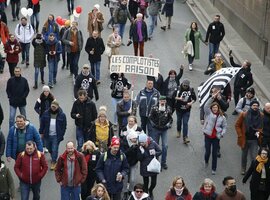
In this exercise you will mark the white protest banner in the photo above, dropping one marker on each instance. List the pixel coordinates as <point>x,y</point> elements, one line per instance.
<point>134,65</point>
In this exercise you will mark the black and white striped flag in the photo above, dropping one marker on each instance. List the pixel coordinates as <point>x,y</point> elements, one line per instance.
<point>220,78</point>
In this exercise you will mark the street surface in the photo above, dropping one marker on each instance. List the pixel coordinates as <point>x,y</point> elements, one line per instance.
<point>184,160</point>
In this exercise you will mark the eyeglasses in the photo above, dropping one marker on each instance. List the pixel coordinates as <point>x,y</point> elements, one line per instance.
<point>139,191</point>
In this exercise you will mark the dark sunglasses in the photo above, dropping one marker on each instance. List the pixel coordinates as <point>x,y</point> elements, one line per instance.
<point>139,191</point>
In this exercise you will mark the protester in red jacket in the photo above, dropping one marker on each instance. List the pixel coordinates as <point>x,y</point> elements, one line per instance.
<point>71,161</point>
<point>30,167</point>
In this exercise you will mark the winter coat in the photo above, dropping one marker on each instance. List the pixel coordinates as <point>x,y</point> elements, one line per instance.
<point>117,85</point>
<point>87,83</point>
<point>39,52</point>
<point>168,8</point>
<point>161,120</point>
<point>67,38</point>
<point>121,14</point>
<point>145,196</point>
<point>212,68</point>
<point>133,35</point>
<point>240,127</point>
<point>30,169</point>
<point>96,25</point>
<point>243,78</point>
<point>188,95</point>
<point>91,161</point>
<point>12,57</point>
<point>2,144</point>
<point>130,151</point>
<point>244,100</point>
<point>144,105</point>
<point>166,82</point>
<point>80,169</point>
<point>24,33</point>
<point>61,124</point>
<point>215,32</point>
<point>122,113</point>
<point>211,120</point>
<point>36,7</point>
<point>30,132</point>
<point>154,6</point>
<point>114,43</point>
<point>171,195</point>
<point>6,181</point>
<point>224,196</point>
<point>17,91</point>
<point>266,125</point>
<point>87,111</point>
<point>98,46</point>
<point>200,196</point>
<point>145,157</point>
<point>54,45</point>
<point>256,176</point>
<point>108,167</point>
<point>4,32</point>
<point>43,103</point>
<point>196,45</point>
<point>61,34</point>
<point>48,28</point>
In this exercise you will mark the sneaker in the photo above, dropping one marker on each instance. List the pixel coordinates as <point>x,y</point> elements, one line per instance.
<point>213,172</point>
<point>50,86</point>
<point>98,82</point>
<point>54,81</point>
<point>22,62</point>
<point>190,67</point>
<point>53,166</point>
<point>163,28</point>
<point>186,140</point>
<point>43,82</point>
<point>178,134</point>
<point>235,113</point>
<point>165,166</point>
<point>45,150</point>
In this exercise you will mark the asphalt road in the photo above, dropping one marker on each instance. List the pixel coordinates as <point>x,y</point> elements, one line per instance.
<point>184,160</point>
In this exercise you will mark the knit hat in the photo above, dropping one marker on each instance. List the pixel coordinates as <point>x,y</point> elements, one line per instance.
<point>251,90</point>
<point>132,135</point>
<point>115,141</point>
<point>97,6</point>
<point>254,102</point>
<point>67,23</point>
<point>102,111</point>
<point>162,98</point>
<point>46,88</point>
<point>186,82</point>
<point>142,138</point>
<point>55,103</point>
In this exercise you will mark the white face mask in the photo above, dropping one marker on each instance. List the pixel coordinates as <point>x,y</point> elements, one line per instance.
<point>162,108</point>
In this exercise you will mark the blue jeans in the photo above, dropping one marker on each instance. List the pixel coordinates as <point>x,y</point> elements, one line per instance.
<point>95,69</point>
<point>114,104</point>
<point>182,117</point>
<point>156,134</point>
<point>37,69</point>
<point>25,51</point>
<point>33,18</point>
<point>213,49</point>
<point>53,65</point>
<point>12,114</point>
<point>70,193</point>
<point>52,145</point>
<point>80,137</point>
<point>208,142</point>
<point>121,30</point>
<point>74,60</point>
<point>152,19</point>
<point>25,190</point>
<point>70,5</point>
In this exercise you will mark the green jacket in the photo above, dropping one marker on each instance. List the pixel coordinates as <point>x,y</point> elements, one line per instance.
<point>197,37</point>
<point>6,181</point>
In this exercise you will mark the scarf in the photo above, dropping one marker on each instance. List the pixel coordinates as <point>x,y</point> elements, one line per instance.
<point>261,163</point>
<point>253,120</point>
<point>206,194</point>
<point>218,65</point>
<point>178,191</point>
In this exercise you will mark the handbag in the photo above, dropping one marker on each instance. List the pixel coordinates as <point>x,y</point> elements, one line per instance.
<point>108,51</point>
<point>4,196</point>
<point>154,166</point>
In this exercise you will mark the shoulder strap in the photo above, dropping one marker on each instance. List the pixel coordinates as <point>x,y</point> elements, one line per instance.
<point>244,102</point>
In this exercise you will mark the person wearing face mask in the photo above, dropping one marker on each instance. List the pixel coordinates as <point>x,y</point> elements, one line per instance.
<point>249,130</point>
<point>85,80</point>
<point>260,172</point>
<point>91,154</point>
<point>178,190</point>
<point>184,96</point>
<point>214,128</point>
<point>244,103</point>
<point>111,169</point>
<point>99,192</point>
<point>95,48</point>
<point>170,85</point>
<point>207,191</point>
<point>230,192</point>
<point>53,124</point>
<point>160,120</point>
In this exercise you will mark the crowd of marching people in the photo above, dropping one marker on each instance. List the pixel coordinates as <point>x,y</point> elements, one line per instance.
<point>107,155</point>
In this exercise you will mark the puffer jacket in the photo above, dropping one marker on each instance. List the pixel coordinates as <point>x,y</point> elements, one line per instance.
<point>31,168</point>
<point>39,52</point>
<point>212,120</point>
<point>6,181</point>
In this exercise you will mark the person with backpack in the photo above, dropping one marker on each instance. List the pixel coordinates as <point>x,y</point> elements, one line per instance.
<point>71,162</point>
<point>111,169</point>
<point>30,167</point>
<point>244,103</point>
<point>24,32</point>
